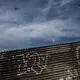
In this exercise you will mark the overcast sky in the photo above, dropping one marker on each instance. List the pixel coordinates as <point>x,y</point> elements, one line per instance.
<point>28,23</point>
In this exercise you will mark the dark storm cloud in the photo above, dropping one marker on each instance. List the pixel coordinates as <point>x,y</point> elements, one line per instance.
<point>25,23</point>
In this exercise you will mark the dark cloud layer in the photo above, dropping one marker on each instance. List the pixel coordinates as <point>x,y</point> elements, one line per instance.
<point>26,23</point>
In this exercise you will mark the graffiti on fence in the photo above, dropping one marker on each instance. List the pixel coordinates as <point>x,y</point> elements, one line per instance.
<point>32,62</point>
<point>1,56</point>
<point>29,62</point>
<point>78,54</point>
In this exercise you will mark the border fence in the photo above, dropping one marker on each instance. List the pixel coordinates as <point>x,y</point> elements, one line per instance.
<point>54,62</point>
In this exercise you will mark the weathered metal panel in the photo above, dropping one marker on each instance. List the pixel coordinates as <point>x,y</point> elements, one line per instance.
<point>53,62</point>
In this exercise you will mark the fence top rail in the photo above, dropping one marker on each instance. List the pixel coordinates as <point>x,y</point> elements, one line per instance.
<point>37,47</point>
